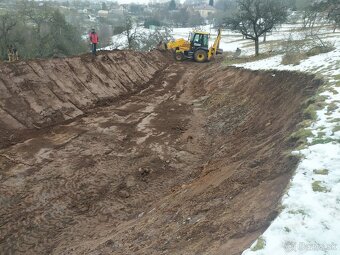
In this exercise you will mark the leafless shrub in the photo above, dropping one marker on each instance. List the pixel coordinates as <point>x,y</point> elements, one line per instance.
<point>297,50</point>
<point>292,58</point>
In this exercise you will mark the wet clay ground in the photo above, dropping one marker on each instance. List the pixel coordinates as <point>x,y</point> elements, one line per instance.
<point>194,162</point>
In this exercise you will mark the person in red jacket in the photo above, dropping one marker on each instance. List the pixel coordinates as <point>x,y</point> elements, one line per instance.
<point>94,40</point>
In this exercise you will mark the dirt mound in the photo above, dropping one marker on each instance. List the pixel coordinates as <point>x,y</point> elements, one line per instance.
<point>195,163</point>
<point>40,93</point>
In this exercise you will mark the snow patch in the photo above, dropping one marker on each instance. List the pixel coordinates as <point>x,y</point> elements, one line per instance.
<point>310,221</point>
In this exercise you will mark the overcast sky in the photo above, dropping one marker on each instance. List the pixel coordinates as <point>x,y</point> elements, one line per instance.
<point>133,1</point>
<point>141,1</point>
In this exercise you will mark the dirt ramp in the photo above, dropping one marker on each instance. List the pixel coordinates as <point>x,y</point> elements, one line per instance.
<point>43,92</point>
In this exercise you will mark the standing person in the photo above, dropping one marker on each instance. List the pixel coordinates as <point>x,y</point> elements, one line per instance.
<point>237,53</point>
<point>94,41</point>
<point>15,53</point>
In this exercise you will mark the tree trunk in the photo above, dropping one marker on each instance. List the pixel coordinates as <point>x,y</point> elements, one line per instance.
<point>265,37</point>
<point>5,40</point>
<point>40,50</point>
<point>257,46</point>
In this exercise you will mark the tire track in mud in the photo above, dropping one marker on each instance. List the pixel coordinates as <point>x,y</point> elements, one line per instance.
<point>13,117</point>
<point>229,200</point>
<point>49,220</point>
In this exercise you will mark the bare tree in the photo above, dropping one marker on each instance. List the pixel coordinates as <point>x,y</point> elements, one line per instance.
<point>39,16</point>
<point>254,18</point>
<point>172,5</point>
<point>7,23</point>
<point>130,31</point>
<point>311,16</point>
<point>331,8</point>
<point>148,41</point>
<point>105,33</point>
<point>321,12</point>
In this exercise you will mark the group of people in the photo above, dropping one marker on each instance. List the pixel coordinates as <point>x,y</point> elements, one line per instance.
<point>12,53</point>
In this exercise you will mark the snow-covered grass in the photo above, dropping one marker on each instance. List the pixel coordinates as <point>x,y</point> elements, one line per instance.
<point>230,41</point>
<point>309,222</point>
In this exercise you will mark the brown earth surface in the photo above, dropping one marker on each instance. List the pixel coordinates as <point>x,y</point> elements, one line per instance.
<point>130,153</point>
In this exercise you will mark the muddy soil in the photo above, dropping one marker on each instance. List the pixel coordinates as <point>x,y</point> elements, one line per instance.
<point>193,161</point>
<point>40,93</point>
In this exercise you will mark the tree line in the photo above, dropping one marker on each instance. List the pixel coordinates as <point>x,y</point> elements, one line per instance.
<point>38,31</point>
<point>255,18</point>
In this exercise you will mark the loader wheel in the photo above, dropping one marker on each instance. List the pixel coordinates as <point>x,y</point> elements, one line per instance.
<point>200,56</point>
<point>179,56</point>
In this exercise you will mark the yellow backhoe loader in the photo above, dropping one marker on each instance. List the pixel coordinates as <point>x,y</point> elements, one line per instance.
<point>196,47</point>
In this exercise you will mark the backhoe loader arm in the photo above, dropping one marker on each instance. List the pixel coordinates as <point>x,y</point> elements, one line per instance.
<point>215,47</point>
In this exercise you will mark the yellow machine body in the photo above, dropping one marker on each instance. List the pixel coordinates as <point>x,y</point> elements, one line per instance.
<point>196,47</point>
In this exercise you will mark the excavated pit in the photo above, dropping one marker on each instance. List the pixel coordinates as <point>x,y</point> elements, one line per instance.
<point>130,153</point>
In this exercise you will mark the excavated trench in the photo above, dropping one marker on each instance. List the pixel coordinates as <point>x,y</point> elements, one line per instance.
<point>130,153</point>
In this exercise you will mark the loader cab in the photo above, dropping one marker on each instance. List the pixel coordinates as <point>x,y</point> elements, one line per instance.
<point>199,40</point>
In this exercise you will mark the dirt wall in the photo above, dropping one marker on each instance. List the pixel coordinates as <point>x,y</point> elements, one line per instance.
<point>35,94</point>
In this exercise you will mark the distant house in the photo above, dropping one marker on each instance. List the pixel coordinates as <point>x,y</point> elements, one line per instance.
<point>205,10</point>
<point>148,9</point>
<point>103,13</point>
<point>84,11</point>
<point>118,10</point>
<point>62,7</point>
